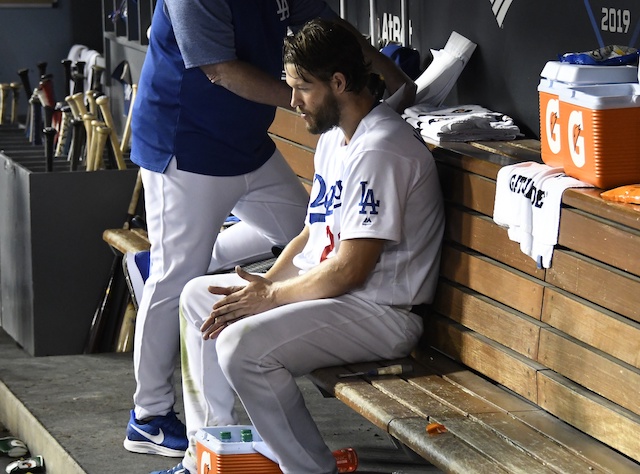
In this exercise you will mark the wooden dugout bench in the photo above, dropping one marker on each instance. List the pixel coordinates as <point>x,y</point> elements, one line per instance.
<point>529,370</point>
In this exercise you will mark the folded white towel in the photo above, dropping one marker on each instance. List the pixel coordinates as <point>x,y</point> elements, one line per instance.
<point>461,123</point>
<point>527,202</point>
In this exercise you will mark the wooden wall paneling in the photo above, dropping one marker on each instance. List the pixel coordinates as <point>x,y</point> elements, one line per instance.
<point>601,284</point>
<point>589,200</point>
<point>471,382</point>
<point>478,352</point>
<point>300,159</point>
<point>467,189</point>
<point>600,239</point>
<point>590,413</point>
<point>481,234</point>
<point>593,369</point>
<point>289,125</point>
<point>461,155</point>
<point>493,320</point>
<point>593,325</point>
<point>493,279</point>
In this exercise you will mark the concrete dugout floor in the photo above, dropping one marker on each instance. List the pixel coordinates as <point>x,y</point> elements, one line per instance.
<point>73,410</point>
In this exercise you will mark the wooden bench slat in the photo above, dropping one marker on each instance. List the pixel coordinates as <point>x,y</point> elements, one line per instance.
<point>489,318</point>
<point>606,376</point>
<point>502,452</point>
<point>593,325</point>
<point>498,362</point>
<point>606,421</point>
<point>601,284</point>
<point>471,382</point>
<point>538,445</point>
<point>601,240</point>
<point>467,189</point>
<point>126,240</point>
<point>589,200</point>
<point>481,234</point>
<point>493,279</point>
<point>582,445</point>
<point>444,450</point>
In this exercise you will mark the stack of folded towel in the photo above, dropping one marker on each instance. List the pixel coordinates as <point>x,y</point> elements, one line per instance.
<point>461,123</point>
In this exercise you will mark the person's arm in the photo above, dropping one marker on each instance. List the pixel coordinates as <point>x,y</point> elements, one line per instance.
<point>346,271</point>
<point>393,76</point>
<point>249,82</point>
<point>284,268</point>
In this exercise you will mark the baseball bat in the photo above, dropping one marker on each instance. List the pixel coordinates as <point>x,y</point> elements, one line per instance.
<point>87,118</point>
<point>77,142</point>
<point>106,321</point>
<point>124,342</point>
<point>103,103</point>
<point>4,96</point>
<point>62,145</point>
<point>66,66</point>
<point>126,134</point>
<point>42,68</point>
<point>96,77</point>
<point>102,134</point>
<point>49,136</point>
<point>15,89</point>
<point>26,83</point>
<point>78,77</point>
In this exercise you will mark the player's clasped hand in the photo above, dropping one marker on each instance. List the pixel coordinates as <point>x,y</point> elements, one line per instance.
<point>238,302</point>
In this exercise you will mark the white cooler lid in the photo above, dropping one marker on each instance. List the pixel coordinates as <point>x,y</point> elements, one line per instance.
<point>580,74</point>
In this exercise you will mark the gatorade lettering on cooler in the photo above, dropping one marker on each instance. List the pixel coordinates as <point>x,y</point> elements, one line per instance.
<point>552,116</point>
<point>575,125</point>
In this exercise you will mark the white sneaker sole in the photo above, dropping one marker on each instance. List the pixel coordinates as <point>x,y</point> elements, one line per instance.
<point>147,447</point>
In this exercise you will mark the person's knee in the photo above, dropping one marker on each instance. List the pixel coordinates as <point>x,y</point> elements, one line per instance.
<point>189,297</point>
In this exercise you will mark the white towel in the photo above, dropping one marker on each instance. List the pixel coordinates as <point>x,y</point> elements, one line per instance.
<point>527,202</point>
<point>460,123</point>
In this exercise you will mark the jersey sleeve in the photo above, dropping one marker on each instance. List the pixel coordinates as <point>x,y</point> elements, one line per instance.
<point>374,195</point>
<point>203,30</point>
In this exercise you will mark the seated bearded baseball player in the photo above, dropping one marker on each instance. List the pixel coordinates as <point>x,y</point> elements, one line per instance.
<point>342,291</point>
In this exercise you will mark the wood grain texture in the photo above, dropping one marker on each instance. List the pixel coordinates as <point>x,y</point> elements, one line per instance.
<point>593,325</point>
<point>493,279</point>
<point>597,282</point>
<point>590,413</point>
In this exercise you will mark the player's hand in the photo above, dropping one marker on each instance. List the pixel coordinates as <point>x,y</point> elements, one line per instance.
<point>238,302</point>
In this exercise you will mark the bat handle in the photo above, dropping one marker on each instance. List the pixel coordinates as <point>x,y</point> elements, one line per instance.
<point>49,135</point>
<point>66,65</point>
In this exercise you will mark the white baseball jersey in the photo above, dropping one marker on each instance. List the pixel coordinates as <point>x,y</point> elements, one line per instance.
<point>384,185</point>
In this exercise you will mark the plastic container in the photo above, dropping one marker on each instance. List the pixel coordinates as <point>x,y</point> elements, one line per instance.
<point>213,455</point>
<point>601,141</point>
<point>220,450</point>
<point>557,77</point>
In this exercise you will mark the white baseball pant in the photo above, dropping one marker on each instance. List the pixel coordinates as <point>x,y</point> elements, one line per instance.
<point>260,356</point>
<point>184,212</point>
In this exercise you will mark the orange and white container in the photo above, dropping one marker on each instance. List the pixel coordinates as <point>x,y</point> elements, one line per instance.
<point>601,140</point>
<point>557,77</point>
<point>234,456</point>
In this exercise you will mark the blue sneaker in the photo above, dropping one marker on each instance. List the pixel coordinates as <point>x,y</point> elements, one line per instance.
<point>179,469</point>
<point>163,435</point>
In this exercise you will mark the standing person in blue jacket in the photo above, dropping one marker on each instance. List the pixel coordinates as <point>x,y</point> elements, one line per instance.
<point>207,94</point>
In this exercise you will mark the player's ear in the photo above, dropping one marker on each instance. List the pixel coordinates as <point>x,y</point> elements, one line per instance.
<point>338,82</point>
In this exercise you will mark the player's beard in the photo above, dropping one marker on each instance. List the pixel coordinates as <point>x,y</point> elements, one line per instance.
<point>325,117</point>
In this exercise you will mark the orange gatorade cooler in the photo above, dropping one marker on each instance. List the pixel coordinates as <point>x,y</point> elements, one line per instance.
<point>222,450</point>
<point>556,77</point>
<point>601,143</point>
